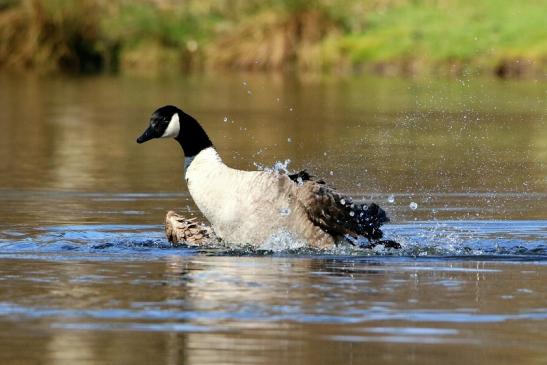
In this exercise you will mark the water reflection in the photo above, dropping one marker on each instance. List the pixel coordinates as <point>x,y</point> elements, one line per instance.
<point>388,135</point>
<point>219,310</point>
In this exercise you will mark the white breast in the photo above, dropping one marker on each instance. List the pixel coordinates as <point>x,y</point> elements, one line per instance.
<point>247,207</point>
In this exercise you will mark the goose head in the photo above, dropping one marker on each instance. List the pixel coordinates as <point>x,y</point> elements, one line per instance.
<point>164,123</point>
<point>171,122</point>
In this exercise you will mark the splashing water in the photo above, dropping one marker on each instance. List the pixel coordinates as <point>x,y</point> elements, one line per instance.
<point>420,238</point>
<point>279,167</point>
<point>282,167</point>
<point>282,241</point>
<point>284,211</point>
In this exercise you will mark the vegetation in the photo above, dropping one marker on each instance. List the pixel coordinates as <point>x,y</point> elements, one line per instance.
<point>500,37</point>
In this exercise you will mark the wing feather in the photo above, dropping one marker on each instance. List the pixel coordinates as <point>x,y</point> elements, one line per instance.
<point>336,213</point>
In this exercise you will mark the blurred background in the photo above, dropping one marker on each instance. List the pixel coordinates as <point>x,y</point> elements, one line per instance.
<point>503,38</point>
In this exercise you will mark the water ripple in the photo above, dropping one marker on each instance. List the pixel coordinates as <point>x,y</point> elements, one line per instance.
<point>486,239</point>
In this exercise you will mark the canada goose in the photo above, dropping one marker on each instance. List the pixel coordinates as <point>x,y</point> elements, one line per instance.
<point>249,207</point>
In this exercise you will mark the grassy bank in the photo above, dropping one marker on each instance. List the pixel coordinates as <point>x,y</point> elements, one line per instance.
<point>501,37</point>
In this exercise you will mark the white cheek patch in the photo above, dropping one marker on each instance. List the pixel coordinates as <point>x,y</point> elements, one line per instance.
<point>173,128</point>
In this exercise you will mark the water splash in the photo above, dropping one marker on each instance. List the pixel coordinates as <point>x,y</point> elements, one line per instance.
<point>285,211</point>
<point>281,241</point>
<point>475,239</point>
<point>282,167</point>
<point>279,167</point>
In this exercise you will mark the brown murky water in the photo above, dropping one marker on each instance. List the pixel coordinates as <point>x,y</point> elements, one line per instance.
<point>86,275</point>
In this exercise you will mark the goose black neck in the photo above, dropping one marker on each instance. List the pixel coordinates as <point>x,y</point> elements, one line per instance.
<point>192,138</point>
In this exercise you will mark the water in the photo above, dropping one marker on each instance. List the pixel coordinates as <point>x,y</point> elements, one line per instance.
<point>86,275</point>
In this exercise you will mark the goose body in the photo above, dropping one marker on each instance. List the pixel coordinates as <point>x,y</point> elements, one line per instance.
<point>250,207</point>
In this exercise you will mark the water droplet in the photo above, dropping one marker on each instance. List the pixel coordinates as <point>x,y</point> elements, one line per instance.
<point>413,206</point>
<point>289,140</point>
<point>290,109</point>
<point>284,211</point>
<point>331,173</point>
<point>324,153</point>
<point>249,92</point>
<point>244,83</point>
<point>391,199</point>
<point>281,167</point>
<point>225,119</point>
<point>351,213</point>
<point>300,181</point>
<point>342,201</point>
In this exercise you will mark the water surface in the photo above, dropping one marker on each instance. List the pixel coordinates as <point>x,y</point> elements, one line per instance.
<point>86,275</point>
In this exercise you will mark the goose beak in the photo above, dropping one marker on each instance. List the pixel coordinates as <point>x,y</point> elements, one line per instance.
<point>148,134</point>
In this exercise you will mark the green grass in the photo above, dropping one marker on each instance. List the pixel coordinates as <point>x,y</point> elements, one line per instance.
<point>501,37</point>
<point>479,34</point>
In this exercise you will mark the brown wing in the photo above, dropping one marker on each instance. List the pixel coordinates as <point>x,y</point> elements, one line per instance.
<point>181,230</point>
<point>336,213</point>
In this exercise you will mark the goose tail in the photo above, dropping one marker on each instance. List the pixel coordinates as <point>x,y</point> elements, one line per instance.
<point>370,221</point>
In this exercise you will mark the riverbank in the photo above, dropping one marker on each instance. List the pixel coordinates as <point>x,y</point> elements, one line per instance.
<point>389,37</point>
